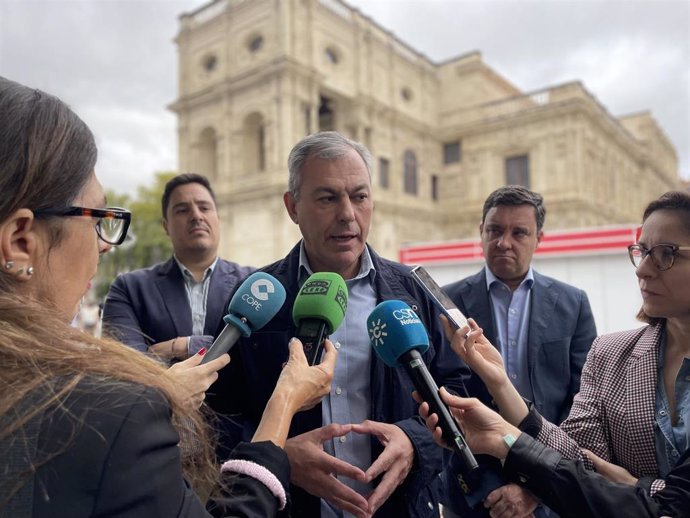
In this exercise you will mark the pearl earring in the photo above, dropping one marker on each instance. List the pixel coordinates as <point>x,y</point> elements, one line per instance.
<point>30,271</point>
<point>9,265</point>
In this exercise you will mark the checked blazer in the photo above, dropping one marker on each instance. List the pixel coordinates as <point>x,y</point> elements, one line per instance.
<point>613,415</point>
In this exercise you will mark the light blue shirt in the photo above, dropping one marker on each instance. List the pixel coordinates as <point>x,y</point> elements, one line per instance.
<point>511,311</point>
<point>671,440</point>
<point>197,293</point>
<point>350,398</point>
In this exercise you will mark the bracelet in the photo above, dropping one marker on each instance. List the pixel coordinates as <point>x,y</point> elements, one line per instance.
<point>260,473</point>
<point>509,439</point>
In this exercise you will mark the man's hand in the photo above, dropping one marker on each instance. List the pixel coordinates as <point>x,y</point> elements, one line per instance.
<point>171,349</point>
<point>395,460</point>
<point>511,501</point>
<point>314,470</point>
<point>612,472</point>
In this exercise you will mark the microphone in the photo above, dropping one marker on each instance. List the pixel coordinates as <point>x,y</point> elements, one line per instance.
<point>319,310</point>
<point>255,302</point>
<point>399,338</point>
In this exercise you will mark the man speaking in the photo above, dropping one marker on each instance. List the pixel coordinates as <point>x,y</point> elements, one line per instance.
<point>386,463</point>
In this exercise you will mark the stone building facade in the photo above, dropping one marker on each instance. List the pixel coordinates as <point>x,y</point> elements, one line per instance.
<point>255,76</point>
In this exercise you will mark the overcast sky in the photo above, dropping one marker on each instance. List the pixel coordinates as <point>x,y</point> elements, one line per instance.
<point>115,63</point>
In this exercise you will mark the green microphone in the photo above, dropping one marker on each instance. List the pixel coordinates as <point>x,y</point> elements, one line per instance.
<point>318,311</point>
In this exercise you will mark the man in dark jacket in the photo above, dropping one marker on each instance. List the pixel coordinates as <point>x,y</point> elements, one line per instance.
<point>364,449</point>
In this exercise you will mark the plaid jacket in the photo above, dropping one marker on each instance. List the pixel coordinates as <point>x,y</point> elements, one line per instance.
<point>613,415</point>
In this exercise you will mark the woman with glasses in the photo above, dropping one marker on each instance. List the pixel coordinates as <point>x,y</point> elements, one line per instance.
<point>88,427</point>
<point>631,419</point>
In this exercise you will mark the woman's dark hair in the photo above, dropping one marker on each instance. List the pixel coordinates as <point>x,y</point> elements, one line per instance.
<point>47,152</point>
<point>47,156</point>
<point>678,201</point>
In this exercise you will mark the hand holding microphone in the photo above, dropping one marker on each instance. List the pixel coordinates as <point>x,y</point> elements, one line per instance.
<point>255,302</point>
<point>399,337</point>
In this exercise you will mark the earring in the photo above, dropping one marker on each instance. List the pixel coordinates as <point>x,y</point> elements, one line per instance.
<point>30,271</point>
<point>9,265</point>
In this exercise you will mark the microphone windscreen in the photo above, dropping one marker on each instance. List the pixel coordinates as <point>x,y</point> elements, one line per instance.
<point>394,329</point>
<point>258,299</point>
<point>323,296</point>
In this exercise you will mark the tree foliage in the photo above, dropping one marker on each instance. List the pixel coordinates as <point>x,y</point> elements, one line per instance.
<point>147,242</point>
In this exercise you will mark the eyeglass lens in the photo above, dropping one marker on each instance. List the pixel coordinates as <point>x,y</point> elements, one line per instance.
<point>110,229</point>
<point>662,256</point>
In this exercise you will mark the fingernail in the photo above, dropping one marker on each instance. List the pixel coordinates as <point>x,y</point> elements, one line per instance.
<point>202,351</point>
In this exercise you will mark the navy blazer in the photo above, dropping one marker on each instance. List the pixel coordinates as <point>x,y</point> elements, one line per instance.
<point>150,305</point>
<point>244,387</point>
<point>561,331</point>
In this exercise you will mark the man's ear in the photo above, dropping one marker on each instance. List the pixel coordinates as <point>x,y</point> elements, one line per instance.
<point>481,229</point>
<point>165,226</point>
<point>18,240</point>
<point>291,206</point>
<point>540,235</point>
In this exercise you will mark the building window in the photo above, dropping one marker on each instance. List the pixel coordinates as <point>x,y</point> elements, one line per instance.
<point>452,152</point>
<point>434,187</point>
<point>210,62</point>
<point>207,159</point>
<point>254,148</point>
<point>384,170</point>
<point>332,56</point>
<point>517,170</point>
<point>406,94</point>
<point>255,43</point>
<point>410,172</point>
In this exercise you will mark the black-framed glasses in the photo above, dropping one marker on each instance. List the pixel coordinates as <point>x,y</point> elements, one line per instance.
<point>112,225</point>
<point>663,255</point>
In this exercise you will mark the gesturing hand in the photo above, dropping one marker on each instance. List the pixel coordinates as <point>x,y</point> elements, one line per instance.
<point>395,460</point>
<point>314,470</point>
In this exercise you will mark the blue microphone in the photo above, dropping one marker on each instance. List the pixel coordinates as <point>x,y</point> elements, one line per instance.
<point>399,338</point>
<point>255,302</point>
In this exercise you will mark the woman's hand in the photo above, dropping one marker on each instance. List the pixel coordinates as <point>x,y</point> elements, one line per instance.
<point>477,352</point>
<point>299,387</point>
<point>483,428</point>
<point>612,472</point>
<point>306,385</point>
<point>192,379</point>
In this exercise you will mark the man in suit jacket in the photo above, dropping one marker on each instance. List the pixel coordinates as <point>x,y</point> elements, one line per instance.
<point>543,327</point>
<point>172,309</point>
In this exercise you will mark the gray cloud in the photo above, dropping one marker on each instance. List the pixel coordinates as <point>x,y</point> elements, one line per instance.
<point>115,63</point>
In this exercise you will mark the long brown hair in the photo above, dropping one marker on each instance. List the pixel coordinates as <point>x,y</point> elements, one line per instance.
<point>47,155</point>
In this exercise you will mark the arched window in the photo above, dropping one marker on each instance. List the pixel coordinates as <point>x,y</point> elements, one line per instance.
<point>410,172</point>
<point>254,148</point>
<point>208,161</point>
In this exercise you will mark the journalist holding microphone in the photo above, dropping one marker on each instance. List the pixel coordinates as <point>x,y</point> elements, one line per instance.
<point>629,421</point>
<point>89,428</point>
